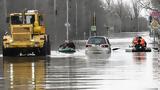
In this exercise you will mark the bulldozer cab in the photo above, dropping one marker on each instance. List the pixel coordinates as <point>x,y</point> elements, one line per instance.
<point>26,24</point>
<point>28,17</point>
<point>16,19</point>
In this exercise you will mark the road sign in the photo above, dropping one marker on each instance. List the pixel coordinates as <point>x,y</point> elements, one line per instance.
<point>93,28</point>
<point>154,24</point>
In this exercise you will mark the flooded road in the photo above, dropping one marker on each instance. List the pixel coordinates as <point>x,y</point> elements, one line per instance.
<point>119,70</point>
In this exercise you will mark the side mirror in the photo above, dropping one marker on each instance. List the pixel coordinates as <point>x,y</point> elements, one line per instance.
<point>7,19</point>
<point>6,33</point>
<point>41,18</point>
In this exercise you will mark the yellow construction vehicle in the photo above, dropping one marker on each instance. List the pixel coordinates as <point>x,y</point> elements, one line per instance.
<point>27,35</point>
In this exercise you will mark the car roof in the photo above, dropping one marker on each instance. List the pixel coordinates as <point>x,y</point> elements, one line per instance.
<point>99,36</point>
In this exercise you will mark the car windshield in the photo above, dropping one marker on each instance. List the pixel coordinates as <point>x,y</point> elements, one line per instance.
<point>97,40</point>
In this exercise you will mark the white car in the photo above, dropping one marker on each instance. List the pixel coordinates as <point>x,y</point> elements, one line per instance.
<point>98,45</point>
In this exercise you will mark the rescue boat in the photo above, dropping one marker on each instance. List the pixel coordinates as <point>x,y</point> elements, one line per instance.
<point>138,48</point>
<point>67,50</point>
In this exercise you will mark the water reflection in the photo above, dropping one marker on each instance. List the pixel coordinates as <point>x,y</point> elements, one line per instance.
<point>1,74</point>
<point>139,57</point>
<point>24,73</point>
<point>156,67</point>
<point>1,68</point>
<point>66,74</point>
<point>98,56</point>
<point>156,70</point>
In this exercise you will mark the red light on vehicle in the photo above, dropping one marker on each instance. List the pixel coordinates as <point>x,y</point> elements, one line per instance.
<point>88,45</point>
<point>104,46</point>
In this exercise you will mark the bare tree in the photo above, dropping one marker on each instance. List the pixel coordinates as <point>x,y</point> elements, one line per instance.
<point>109,3</point>
<point>155,4</point>
<point>126,16</point>
<point>119,11</point>
<point>136,9</point>
<point>145,4</point>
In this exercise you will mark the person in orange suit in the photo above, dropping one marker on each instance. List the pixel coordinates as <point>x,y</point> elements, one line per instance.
<point>135,41</point>
<point>139,40</point>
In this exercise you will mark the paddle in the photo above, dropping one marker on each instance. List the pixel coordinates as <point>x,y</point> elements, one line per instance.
<point>156,49</point>
<point>115,49</point>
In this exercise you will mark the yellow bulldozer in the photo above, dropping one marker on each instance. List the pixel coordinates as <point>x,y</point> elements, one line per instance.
<point>27,35</point>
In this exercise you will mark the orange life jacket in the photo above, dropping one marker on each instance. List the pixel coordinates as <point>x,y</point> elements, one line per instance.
<point>142,42</point>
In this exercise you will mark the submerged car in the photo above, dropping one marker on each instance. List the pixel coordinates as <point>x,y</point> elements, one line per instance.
<point>98,45</point>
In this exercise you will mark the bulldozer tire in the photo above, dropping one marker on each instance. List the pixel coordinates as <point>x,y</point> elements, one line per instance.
<point>14,52</point>
<point>40,51</point>
<point>45,50</point>
<point>5,53</point>
<point>10,52</point>
<point>37,52</point>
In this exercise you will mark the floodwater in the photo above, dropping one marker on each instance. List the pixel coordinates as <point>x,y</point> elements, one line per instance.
<point>119,70</point>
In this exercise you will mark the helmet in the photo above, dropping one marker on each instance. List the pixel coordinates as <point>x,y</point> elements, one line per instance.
<point>139,37</point>
<point>66,41</point>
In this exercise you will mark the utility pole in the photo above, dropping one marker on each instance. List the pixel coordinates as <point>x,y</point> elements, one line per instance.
<point>55,18</point>
<point>35,4</point>
<point>93,26</point>
<point>67,19</point>
<point>67,23</point>
<point>5,8</point>
<point>154,25</point>
<point>5,14</point>
<point>55,6</point>
<point>138,23</point>
<point>84,35</point>
<point>76,20</point>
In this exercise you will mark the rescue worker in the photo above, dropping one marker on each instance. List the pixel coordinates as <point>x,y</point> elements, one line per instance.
<point>71,45</point>
<point>63,45</point>
<point>139,41</point>
<point>67,44</point>
<point>142,42</point>
<point>135,41</point>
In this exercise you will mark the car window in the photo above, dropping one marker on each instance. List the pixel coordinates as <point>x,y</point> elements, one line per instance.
<point>97,40</point>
